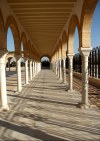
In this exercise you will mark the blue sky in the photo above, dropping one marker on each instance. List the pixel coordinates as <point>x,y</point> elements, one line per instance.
<point>95,33</point>
<point>10,41</point>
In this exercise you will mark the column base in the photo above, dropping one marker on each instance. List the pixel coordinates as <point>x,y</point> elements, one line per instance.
<point>18,91</point>
<point>26,84</point>
<point>61,79</point>
<point>84,106</point>
<point>5,108</point>
<point>71,91</point>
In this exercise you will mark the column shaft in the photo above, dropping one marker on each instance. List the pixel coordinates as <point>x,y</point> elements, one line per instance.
<point>33,70</point>
<point>56,67</point>
<point>30,69</point>
<point>85,53</point>
<point>64,71</point>
<point>4,102</point>
<point>60,69</point>
<point>26,71</point>
<point>19,83</point>
<point>70,72</point>
<point>85,80</point>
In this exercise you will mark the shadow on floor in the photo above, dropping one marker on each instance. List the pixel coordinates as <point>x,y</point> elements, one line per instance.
<point>44,100</point>
<point>29,131</point>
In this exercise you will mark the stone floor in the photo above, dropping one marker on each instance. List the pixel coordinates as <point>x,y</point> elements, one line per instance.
<point>94,92</point>
<point>45,111</point>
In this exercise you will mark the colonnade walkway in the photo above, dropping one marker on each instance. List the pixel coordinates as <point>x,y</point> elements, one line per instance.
<point>45,111</point>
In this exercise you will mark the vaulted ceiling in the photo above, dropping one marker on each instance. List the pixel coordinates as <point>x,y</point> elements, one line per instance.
<point>43,20</point>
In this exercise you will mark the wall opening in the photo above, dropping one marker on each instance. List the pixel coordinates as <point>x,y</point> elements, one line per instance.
<point>10,41</point>
<point>45,63</point>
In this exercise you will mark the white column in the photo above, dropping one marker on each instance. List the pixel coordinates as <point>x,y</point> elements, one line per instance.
<point>85,53</point>
<point>30,64</point>
<point>64,71</point>
<point>19,84</point>
<point>52,66</point>
<point>3,90</point>
<point>26,71</point>
<point>60,69</point>
<point>33,70</point>
<point>38,67</point>
<point>56,67</point>
<point>70,72</point>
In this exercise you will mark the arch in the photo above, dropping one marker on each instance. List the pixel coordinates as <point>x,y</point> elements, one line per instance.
<point>10,22</point>
<point>2,34</point>
<point>74,22</point>
<point>64,44</point>
<point>24,40</point>
<point>45,62</point>
<point>45,55</point>
<point>86,21</point>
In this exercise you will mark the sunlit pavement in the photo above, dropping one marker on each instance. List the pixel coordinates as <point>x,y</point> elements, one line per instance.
<point>45,111</point>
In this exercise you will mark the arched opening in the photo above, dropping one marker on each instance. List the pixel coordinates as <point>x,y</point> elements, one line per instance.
<point>11,50</point>
<point>11,63</point>
<point>76,41</point>
<point>10,41</point>
<point>77,63</point>
<point>13,47</point>
<point>74,30</point>
<point>11,23</point>
<point>45,63</point>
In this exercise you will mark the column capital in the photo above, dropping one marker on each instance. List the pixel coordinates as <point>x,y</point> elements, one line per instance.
<point>59,59</point>
<point>70,55</point>
<point>85,51</point>
<point>63,58</point>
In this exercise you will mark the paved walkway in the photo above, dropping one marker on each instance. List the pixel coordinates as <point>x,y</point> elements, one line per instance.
<point>45,111</point>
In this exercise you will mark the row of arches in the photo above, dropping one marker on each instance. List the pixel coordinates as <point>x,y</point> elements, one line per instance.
<point>83,26</point>
<point>20,47</point>
<point>65,47</point>
<point>21,43</point>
